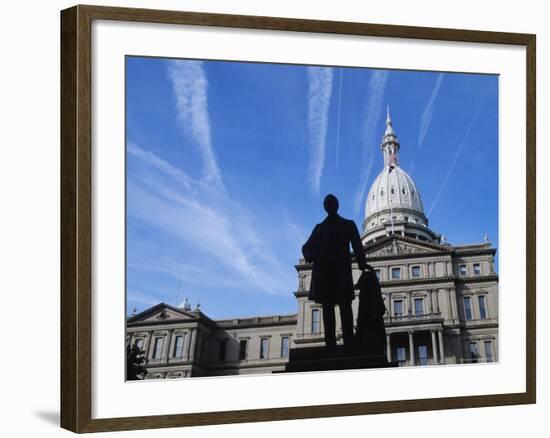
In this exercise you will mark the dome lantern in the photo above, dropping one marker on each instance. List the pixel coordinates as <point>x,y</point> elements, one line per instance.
<point>394,204</point>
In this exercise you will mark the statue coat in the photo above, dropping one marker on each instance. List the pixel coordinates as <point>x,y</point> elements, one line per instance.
<point>328,249</point>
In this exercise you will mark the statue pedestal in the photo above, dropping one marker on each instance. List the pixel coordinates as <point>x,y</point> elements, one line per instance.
<point>339,358</point>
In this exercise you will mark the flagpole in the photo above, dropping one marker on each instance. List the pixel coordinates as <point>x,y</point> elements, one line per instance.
<point>389,197</point>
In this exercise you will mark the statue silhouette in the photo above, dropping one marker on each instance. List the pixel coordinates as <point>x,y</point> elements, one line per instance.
<point>371,332</point>
<point>328,249</point>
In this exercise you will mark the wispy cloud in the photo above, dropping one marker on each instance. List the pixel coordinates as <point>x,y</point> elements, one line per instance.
<point>152,160</point>
<point>339,116</point>
<point>199,214</point>
<point>375,100</point>
<point>141,298</point>
<point>221,229</point>
<point>459,150</point>
<point>190,273</point>
<point>427,114</point>
<point>190,85</point>
<point>295,233</point>
<point>320,91</point>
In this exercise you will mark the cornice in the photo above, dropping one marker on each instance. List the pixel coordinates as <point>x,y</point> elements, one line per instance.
<point>431,280</point>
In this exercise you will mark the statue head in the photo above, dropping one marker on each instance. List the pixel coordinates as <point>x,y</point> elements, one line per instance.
<point>331,204</point>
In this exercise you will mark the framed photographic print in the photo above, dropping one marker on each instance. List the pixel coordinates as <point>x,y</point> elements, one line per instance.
<point>268,218</point>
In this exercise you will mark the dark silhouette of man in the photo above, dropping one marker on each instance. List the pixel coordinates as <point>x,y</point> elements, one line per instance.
<point>331,280</point>
<point>371,332</point>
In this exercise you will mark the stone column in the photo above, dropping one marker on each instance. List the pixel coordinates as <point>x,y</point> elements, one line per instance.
<point>452,304</point>
<point>172,345</point>
<point>167,347</point>
<point>410,303</point>
<point>434,347</point>
<point>452,293</point>
<point>411,347</point>
<point>441,349</point>
<point>432,308</point>
<point>185,346</point>
<point>191,344</point>
<point>151,346</point>
<point>147,344</point>
<point>388,347</point>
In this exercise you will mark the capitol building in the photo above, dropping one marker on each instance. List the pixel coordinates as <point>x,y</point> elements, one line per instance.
<point>441,299</point>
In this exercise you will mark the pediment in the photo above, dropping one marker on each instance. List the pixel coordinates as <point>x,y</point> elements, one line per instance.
<point>161,313</point>
<point>393,246</point>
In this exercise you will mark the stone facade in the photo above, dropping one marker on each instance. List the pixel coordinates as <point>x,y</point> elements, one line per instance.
<point>443,309</point>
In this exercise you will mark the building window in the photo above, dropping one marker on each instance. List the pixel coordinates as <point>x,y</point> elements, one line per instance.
<point>468,308</point>
<point>157,350</point>
<point>462,270</point>
<point>398,308</point>
<point>378,273</point>
<point>415,271</point>
<point>422,355</point>
<point>488,350</point>
<point>482,307</point>
<point>403,190</point>
<point>406,218</point>
<point>243,345</point>
<point>395,273</point>
<point>315,321</point>
<point>264,348</point>
<point>477,269</point>
<point>222,349</point>
<point>139,343</point>
<point>373,196</point>
<point>381,192</point>
<point>285,344</point>
<point>392,191</point>
<point>401,355</point>
<point>419,306</point>
<point>474,354</point>
<point>178,346</point>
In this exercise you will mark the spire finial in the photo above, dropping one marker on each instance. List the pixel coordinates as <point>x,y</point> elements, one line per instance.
<point>388,118</point>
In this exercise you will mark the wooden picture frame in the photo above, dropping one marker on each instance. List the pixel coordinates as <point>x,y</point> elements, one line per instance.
<point>76,217</point>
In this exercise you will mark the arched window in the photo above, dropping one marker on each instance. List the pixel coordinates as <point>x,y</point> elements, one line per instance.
<point>392,191</point>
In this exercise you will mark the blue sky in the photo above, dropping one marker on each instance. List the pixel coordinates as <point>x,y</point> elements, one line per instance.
<point>228,164</point>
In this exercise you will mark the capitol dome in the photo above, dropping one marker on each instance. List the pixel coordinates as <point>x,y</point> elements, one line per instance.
<point>394,204</point>
<point>393,189</point>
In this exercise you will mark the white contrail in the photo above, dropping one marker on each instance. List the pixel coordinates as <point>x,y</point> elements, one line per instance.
<point>190,86</point>
<point>377,87</point>
<point>426,119</point>
<point>462,144</point>
<point>427,114</point>
<point>320,91</point>
<point>339,116</point>
<point>154,161</point>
